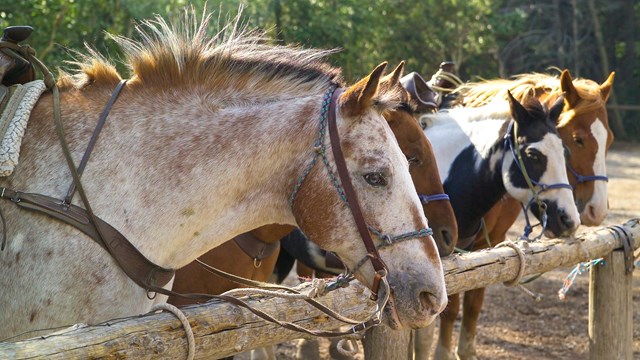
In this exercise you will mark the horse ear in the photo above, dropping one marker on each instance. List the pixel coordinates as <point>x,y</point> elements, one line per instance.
<point>359,96</point>
<point>556,109</point>
<point>519,113</point>
<point>571,96</point>
<point>395,76</point>
<point>605,88</point>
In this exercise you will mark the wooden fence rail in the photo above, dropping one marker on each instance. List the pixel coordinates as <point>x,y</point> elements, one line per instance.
<point>222,329</point>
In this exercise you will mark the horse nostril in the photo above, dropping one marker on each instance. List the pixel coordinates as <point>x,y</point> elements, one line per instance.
<point>566,221</point>
<point>429,302</point>
<point>592,212</point>
<point>446,237</point>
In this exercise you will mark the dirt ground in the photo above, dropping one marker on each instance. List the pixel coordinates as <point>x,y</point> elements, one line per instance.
<point>513,326</point>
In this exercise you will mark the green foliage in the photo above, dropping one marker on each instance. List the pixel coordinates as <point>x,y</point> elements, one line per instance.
<point>485,38</point>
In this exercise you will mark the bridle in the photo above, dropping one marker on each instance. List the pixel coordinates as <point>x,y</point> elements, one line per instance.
<point>586,178</point>
<point>426,199</point>
<point>511,142</point>
<point>346,191</point>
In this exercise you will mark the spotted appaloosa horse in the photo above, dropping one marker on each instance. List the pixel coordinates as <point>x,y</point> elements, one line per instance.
<point>196,150</point>
<point>584,129</point>
<point>424,172</point>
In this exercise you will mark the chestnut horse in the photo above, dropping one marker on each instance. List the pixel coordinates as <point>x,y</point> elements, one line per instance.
<point>230,257</point>
<point>197,149</point>
<point>584,129</point>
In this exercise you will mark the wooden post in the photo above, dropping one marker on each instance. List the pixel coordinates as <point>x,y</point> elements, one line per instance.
<point>382,343</point>
<point>610,310</point>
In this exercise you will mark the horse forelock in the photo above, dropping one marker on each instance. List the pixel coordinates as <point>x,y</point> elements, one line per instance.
<point>182,53</point>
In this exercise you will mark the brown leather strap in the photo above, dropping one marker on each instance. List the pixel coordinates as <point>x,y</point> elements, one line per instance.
<point>142,271</point>
<point>94,138</point>
<point>350,193</point>
<point>254,247</point>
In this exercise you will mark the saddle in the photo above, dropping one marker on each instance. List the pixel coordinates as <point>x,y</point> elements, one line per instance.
<point>436,93</point>
<point>14,66</point>
<point>19,93</point>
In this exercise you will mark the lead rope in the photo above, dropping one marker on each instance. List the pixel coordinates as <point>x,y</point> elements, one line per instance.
<point>521,270</point>
<point>191,341</point>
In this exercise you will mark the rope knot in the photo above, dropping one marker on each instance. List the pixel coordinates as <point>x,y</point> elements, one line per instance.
<point>318,288</point>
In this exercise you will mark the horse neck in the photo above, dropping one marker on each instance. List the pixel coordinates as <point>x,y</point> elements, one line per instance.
<point>472,174</point>
<point>194,173</point>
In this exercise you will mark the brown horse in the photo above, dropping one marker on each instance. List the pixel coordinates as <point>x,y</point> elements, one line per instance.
<point>196,151</point>
<point>584,129</point>
<point>422,166</point>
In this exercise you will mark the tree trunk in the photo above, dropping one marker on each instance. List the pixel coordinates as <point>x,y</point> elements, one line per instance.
<point>617,125</point>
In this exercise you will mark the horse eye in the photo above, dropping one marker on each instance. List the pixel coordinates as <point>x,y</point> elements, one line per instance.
<point>579,141</point>
<point>375,179</point>
<point>413,160</point>
<point>405,107</point>
<point>532,155</point>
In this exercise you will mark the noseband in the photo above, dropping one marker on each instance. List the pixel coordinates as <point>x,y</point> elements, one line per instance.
<point>426,199</point>
<point>346,191</point>
<point>585,178</point>
<point>511,142</point>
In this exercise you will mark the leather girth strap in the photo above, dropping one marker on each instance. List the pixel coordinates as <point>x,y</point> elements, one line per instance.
<point>350,193</point>
<point>142,271</point>
<point>254,247</point>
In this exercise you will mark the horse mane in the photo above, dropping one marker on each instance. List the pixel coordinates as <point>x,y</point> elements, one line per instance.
<point>530,85</point>
<point>182,53</point>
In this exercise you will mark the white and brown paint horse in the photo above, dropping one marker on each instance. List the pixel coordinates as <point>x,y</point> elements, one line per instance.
<point>197,149</point>
<point>584,129</point>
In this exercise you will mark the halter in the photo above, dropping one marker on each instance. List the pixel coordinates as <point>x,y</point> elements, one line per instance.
<point>425,199</point>
<point>584,178</point>
<point>511,141</point>
<point>345,189</point>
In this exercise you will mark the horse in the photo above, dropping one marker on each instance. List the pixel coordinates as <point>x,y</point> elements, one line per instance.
<point>477,156</point>
<point>239,257</point>
<point>584,129</point>
<point>198,149</point>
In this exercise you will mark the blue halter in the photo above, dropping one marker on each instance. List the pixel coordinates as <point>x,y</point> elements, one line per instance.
<point>425,199</point>
<point>509,141</point>
<point>584,178</point>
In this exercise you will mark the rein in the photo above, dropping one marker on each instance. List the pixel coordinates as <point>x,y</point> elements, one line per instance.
<point>511,142</point>
<point>347,193</point>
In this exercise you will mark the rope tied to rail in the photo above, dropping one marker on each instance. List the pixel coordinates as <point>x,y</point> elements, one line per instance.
<point>191,341</point>
<point>348,350</point>
<point>521,269</point>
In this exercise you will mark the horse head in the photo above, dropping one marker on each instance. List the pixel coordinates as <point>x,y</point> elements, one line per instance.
<point>419,152</point>
<point>534,171</point>
<point>379,173</point>
<point>584,129</point>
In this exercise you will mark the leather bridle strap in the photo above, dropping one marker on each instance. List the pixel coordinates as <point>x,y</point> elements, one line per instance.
<point>94,138</point>
<point>352,198</point>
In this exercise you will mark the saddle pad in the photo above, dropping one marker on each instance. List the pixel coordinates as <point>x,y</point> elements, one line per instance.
<point>15,109</point>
